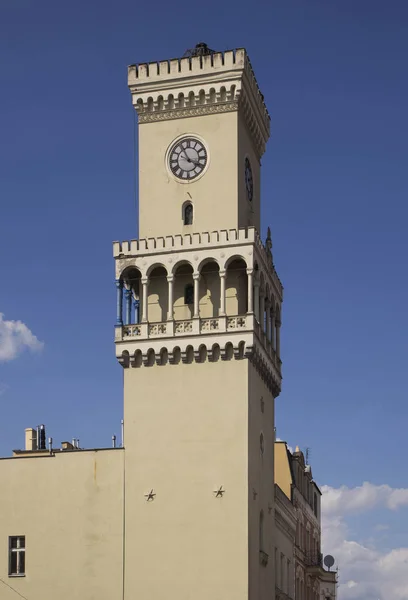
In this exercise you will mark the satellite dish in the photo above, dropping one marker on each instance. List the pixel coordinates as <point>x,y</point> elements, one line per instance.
<point>329,561</point>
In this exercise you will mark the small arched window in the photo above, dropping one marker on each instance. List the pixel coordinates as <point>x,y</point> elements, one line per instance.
<point>189,294</point>
<point>188,214</point>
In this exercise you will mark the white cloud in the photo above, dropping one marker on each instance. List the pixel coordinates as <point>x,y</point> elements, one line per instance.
<point>365,573</point>
<point>352,500</point>
<point>15,337</point>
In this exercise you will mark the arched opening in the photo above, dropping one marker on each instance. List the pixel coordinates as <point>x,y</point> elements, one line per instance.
<point>176,355</point>
<point>229,351</point>
<point>164,357</point>
<point>189,355</point>
<point>183,305</point>
<point>137,359</point>
<point>236,288</point>
<point>157,294</point>
<point>181,102</point>
<point>188,213</point>
<point>202,353</point>
<point>189,294</point>
<point>216,352</point>
<point>150,358</point>
<point>210,290</point>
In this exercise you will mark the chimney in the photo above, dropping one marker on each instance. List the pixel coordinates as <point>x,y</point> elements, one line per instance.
<point>67,446</point>
<point>30,439</point>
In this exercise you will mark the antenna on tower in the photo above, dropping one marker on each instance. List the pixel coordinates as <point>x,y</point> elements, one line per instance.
<point>308,453</point>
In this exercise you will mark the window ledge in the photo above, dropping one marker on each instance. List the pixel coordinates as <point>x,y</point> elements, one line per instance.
<point>17,574</point>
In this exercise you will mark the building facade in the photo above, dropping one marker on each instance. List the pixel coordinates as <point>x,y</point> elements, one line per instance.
<point>310,579</point>
<point>188,507</point>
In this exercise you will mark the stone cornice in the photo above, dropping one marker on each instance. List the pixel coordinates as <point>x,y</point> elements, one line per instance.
<point>193,111</point>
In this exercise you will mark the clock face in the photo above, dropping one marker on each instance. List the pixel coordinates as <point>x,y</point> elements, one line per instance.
<point>249,181</point>
<point>187,158</point>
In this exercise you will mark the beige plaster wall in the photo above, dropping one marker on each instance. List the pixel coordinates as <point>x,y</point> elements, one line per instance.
<point>248,212</point>
<point>214,195</point>
<point>186,434</point>
<point>70,509</point>
<point>283,476</point>
<point>261,487</point>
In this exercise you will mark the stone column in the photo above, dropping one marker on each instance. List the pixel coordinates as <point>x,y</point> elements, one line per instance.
<point>278,324</point>
<point>145,283</point>
<point>273,342</point>
<point>223,275</point>
<point>268,319</point>
<point>196,277</point>
<point>128,306</point>
<point>262,311</point>
<point>250,290</point>
<point>170,313</point>
<point>119,298</point>
<point>256,301</point>
<point>136,305</point>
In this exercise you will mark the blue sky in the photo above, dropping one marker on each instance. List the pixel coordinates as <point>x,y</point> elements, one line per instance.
<point>334,193</point>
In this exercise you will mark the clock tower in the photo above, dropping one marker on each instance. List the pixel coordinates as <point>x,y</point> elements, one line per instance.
<point>203,126</point>
<point>198,337</point>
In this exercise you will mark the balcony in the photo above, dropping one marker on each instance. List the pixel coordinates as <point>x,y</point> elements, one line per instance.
<point>143,331</point>
<point>314,559</point>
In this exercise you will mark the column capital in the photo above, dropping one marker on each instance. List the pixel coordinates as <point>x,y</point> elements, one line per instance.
<point>119,284</point>
<point>170,278</point>
<point>128,292</point>
<point>223,273</point>
<point>257,283</point>
<point>250,271</point>
<point>145,281</point>
<point>196,276</point>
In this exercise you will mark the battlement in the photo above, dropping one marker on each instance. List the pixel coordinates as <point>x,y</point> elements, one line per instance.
<point>173,243</point>
<point>217,82</point>
<point>222,243</point>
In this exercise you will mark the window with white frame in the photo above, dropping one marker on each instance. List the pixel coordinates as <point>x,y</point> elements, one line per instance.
<point>16,555</point>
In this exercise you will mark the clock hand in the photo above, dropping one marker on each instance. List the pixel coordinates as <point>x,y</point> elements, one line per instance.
<point>185,154</point>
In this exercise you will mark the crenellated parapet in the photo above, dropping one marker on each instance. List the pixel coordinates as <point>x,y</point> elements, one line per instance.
<point>195,248</point>
<point>200,85</point>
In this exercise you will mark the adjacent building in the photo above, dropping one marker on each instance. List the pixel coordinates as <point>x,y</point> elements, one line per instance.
<point>301,574</point>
